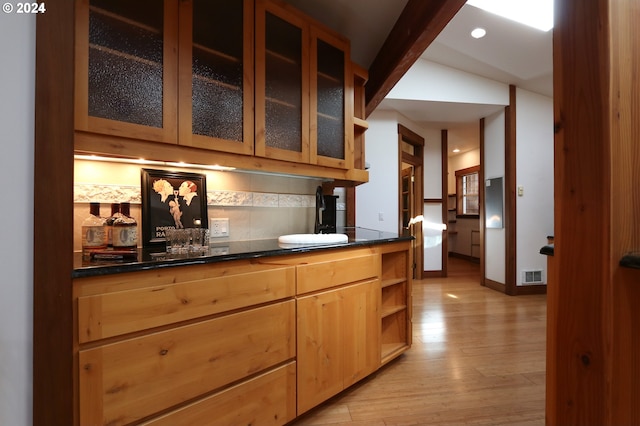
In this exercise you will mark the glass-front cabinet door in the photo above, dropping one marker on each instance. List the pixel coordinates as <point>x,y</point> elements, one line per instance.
<point>126,68</point>
<point>331,101</point>
<point>282,83</point>
<point>216,75</point>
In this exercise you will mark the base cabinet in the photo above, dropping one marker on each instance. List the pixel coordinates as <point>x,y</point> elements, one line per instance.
<point>255,342</point>
<point>338,341</point>
<point>268,399</point>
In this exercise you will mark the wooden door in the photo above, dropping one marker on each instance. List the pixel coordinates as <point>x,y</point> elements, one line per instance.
<point>126,68</point>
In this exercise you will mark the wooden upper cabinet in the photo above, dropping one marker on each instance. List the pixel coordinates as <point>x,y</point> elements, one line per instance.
<point>216,75</point>
<point>331,100</point>
<point>126,68</point>
<point>304,89</point>
<point>282,83</point>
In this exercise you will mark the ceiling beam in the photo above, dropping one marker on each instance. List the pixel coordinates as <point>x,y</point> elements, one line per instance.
<point>418,25</point>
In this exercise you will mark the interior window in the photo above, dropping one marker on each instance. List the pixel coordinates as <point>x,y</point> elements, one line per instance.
<point>467,191</point>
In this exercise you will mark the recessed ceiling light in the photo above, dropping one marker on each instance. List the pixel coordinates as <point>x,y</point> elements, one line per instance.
<point>456,150</point>
<point>478,32</point>
<point>534,13</point>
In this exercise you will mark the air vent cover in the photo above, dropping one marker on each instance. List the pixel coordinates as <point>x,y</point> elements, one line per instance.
<point>532,277</point>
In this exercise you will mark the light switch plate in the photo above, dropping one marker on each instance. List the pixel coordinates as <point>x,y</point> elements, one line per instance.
<point>219,227</point>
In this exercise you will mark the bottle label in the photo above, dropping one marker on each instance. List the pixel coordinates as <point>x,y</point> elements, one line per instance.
<point>125,236</point>
<point>93,236</point>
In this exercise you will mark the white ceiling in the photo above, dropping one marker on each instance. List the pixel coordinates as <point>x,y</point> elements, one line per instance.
<point>510,53</point>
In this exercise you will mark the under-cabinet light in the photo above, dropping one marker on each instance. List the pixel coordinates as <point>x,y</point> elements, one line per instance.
<point>153,162</point>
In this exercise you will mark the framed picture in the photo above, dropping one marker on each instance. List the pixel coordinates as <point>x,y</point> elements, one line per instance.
<point>171,200</point>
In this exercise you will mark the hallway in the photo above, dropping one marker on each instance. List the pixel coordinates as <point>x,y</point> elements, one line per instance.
<point>478,358</point>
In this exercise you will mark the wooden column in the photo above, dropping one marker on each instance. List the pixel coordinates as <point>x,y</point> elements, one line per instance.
<point>53,217</point>
<point>593,358</point>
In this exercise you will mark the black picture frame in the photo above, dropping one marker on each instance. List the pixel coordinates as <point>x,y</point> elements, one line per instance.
<point>162,192</point>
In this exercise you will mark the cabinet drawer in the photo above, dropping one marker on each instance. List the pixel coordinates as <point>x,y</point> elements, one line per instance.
<point>115,313</point>
<point>269,399</point>
<point>319,275</point>
<point>125,381</point>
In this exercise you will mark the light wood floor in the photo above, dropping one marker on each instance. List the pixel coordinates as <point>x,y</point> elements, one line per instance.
<point>478,358</point>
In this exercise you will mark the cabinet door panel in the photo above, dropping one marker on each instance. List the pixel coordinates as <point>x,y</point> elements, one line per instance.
<point>319,355</point>
<point>331,105</point>
<point>122,382</point>
<point>331,273</point>
<point>361,326</point>
<point>338,340</point>
<point>282,83</point>
<point>120,312</point>
<point>216,102</point>
<point>269,399</point>
<point>126,68</point>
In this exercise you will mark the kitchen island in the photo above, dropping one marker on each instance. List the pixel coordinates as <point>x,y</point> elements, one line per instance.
<point>247,333</point>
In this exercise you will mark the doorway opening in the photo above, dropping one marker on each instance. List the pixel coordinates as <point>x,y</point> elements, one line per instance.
<point>411,192</point>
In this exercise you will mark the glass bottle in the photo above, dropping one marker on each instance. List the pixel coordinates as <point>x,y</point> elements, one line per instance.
<point>94,232</point>
<point>125,230</point>
<point>115,213</point>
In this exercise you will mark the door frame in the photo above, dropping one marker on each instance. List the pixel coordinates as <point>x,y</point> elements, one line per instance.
<point>416,160</point>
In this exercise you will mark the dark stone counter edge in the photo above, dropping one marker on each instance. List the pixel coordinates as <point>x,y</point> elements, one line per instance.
<point>631,261</point>
<point>133,266</point>
<point>547,250</point>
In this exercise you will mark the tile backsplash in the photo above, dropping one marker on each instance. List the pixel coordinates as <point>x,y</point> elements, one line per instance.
<point>259,206</point>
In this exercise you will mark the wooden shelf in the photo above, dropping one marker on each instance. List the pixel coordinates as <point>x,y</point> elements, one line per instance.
<point>216,82</point>
<point>124,55</point>
<point>392,350</point>
<point>392,281</point>
<point>215,53</point>
<point>122,19</point>
<point>390,310</point>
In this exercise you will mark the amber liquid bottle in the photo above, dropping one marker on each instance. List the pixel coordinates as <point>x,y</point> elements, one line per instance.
<point>115,213</point>
<point>94,232</point>
<point>125,230</point>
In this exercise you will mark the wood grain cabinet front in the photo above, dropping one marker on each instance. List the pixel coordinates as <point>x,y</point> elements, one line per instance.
<point>126,68</point>
<point>338,340</point>
<point>125,381</point>
<point>338,323</point>
<point>304,89</point>
<point>118,304</point>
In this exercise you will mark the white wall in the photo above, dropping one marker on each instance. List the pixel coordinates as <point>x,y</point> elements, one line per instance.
<point>432,189</point>
<point>461,161</point>
<point>534,171</point>
<point>379,196</point>
<point>427,80</point>
<point>17,46</point>
<point>495,239</point>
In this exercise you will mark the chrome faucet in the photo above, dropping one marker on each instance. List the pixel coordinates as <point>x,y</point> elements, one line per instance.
<point>320,206</point>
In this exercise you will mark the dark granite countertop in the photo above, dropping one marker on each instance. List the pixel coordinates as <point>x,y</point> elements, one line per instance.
<point>631,260</point>
<point>154,258</point>
<point>547,250</point>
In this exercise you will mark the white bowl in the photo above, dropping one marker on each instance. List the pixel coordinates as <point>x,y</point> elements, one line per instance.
<point>310,239</point>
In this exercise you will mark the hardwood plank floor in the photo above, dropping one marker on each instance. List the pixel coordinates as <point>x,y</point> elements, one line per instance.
<point>478,358</point>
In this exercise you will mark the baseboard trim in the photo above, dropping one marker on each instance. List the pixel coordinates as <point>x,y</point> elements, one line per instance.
<point>432,274</point>
<point>531,289</point>
<point>494,285</point>
<point>464,257</point>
